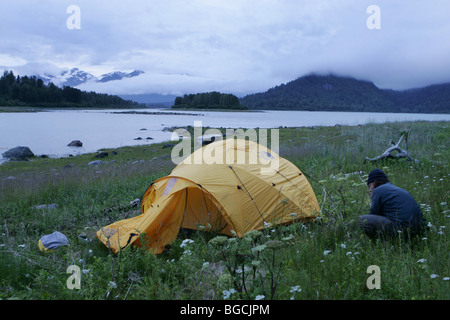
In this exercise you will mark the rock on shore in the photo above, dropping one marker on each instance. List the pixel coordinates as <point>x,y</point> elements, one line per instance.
<point>18,153</point>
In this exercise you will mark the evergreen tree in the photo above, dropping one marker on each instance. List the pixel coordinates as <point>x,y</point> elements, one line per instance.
<point>32,91</point>
<point>209,100</point>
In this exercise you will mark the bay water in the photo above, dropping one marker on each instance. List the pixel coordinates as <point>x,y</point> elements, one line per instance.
<point>49,133</point>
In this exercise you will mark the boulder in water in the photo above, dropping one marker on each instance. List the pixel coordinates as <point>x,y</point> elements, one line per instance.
<point>75,143</point>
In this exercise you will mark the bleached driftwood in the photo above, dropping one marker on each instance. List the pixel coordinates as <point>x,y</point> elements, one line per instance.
<point>402,153</point>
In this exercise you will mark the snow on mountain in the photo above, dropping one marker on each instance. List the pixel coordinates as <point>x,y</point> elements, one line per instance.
<point>68,77</point>
<point>118,75</point>
<point>71,78</point>
<point>76,77</point>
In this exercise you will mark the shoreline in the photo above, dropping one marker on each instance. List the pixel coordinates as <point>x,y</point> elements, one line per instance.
<point>18,109</point>
<point>164,144</point>
<point>157,113</point>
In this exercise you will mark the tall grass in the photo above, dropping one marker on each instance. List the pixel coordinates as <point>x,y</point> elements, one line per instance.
<point>326,259</point>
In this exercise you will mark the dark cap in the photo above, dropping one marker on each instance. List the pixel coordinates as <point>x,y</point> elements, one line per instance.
<point>377,175</point>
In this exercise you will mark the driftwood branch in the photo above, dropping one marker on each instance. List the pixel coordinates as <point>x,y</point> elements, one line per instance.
<point>402,153</point>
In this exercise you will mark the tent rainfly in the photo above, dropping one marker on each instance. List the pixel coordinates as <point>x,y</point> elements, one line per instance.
<point>238,186</point>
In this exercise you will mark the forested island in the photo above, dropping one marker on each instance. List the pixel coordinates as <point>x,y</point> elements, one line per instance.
<point>336,93</point>
<point>209,100</point>
<point>25,91</point>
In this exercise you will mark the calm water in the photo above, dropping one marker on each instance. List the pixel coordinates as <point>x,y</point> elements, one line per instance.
<point>49,132</point>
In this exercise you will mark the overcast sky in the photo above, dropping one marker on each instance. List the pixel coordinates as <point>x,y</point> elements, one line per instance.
<point>238,46</point>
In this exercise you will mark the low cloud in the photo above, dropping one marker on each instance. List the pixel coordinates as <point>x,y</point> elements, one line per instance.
<point>238,46</point>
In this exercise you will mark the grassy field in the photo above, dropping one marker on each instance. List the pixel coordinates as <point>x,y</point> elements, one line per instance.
<point>326,259</point>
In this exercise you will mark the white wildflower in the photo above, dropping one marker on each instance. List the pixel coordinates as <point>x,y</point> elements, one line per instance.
<point>185,242</point>
<point>295,289</point>
<point>228,293</point>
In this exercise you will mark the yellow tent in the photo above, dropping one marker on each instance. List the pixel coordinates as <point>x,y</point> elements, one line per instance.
<point>230,186</point>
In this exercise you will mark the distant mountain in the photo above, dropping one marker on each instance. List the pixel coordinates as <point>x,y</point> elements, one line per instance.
<point>76,77</point>
<point>151,100</point>
<point>336,93</point>
<point>431,99</point>
<point>31,91</point>
<point>118,75</point>
<point>71,78</point>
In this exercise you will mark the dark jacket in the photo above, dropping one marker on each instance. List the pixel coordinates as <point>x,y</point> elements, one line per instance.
<point>398,206</point>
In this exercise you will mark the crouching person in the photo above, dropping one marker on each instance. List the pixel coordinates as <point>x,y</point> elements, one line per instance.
<point>393,210</point>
